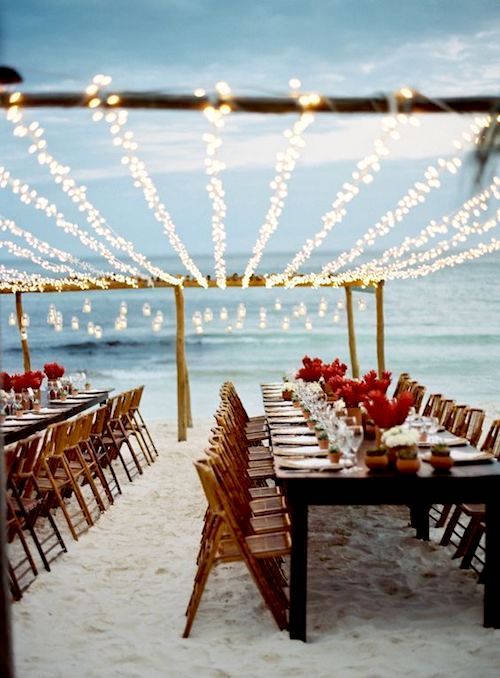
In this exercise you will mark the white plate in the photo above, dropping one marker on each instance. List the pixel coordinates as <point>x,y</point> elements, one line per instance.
<point>299,452</point>
<point>462,457</point>
<point>450,440</point>
<point>291,430</point>
<point>294,440</point>
<point>310,465</point>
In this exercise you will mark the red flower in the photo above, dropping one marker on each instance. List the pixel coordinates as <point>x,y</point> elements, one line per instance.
<point>373,383</point>
<point>53,370</point>
<point>18,382</point>
<point>5,381</point>
<point>314,369</point>
<point>388,413</point>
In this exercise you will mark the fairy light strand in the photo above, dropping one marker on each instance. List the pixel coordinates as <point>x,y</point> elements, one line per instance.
<point>215,188</point>
<point>124,139</point>
<point>285,165</point>
<point>366,170</point>
<point>61,175</point>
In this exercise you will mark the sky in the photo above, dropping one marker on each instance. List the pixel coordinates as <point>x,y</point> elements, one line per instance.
<point>335,47</point>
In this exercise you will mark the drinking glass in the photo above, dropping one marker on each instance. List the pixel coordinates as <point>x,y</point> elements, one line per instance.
<point>357,437</point>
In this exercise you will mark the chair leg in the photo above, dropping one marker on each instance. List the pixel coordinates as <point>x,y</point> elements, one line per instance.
<point>474,540</point>
<point>450,527</point>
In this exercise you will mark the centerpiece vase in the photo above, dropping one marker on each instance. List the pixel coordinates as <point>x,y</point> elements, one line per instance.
<point>356,413</point>
<point>407,460</point>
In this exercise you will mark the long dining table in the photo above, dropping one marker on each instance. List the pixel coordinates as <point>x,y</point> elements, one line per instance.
<point>470,482</point>
<point>19,428</point>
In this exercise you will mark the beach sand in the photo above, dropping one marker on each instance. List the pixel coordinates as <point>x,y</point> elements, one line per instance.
<point>381,603</point>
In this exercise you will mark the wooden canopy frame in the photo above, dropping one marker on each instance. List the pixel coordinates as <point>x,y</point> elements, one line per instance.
<point>184,414</point>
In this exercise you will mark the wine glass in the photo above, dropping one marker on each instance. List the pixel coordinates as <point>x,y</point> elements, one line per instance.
<point>357,437</point>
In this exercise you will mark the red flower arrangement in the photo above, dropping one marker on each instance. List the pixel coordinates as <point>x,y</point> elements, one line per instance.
<point>314,369</point>
<point>5,381</point>
<point>18,382</point>
<point>388,413</point>
<point>53,370</point>
<point>354,391</point>
<point>34,379</point>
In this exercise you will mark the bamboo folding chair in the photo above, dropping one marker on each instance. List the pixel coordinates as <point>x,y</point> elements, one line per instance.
<point>471,425</point>
<point>29,503</point>
<point>102,452</point>
<point>132,429</point>
<point>445,408</point>
<point>57,482</point>
<point>454,419</point>
<point>466,537</point>
<point>136,416</point>
<point>401,384</point>
<point>116,437</point>
<point>21,567</point>
<point>225,540</point>
<point>431,407</point>
<point>418,392</point>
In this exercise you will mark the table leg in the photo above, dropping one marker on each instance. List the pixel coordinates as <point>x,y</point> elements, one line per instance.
<point>420,520</point>
<point>298,570</point>
<point>492,565</point>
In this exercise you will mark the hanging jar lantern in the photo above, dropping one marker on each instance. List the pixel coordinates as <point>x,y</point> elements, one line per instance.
<point>208,315</point>
<point>90,327</point>
<point>87,306</point>
<point>123,308</point>
<point>223,313</point>
<point>25,320</point>
<point>12,319</point>
<point>146,310</point>
<point>277,305</point>
<point>75,324</point>
<point>98,332</point>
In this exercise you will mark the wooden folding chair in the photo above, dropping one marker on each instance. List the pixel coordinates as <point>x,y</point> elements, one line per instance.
<point>466,536</point>
<point>102,452</point>
<point>225,541</point>
<point>135,414</point>
<point>431,407</point>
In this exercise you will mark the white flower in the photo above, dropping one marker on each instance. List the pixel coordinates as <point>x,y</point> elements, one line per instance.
<point>399,436</point>
<point>339,405</point>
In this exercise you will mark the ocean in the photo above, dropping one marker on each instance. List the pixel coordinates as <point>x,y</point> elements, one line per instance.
<point>444,329</point>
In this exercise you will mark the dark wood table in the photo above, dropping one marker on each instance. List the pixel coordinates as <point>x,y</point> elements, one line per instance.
<point>62,410</point>
<point>471,483</point>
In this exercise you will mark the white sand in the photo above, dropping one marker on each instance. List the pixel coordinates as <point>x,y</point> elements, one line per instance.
<point>381,603</point>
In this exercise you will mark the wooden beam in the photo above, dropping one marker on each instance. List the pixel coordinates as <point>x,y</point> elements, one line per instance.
<point>22,331</point>
<point>352,333</point>
<point>379,301</point>
<point>147,283</point>
<point>181,365</point>
<point>380,104</point>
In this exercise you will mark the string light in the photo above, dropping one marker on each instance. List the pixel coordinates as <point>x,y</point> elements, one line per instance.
<point>61,175</point>
<point>124,139</point>
<point>285,165</point>
<point>363,175</point>
<point>413,197</point>
<point>215,188</point>
<point>29,196</point>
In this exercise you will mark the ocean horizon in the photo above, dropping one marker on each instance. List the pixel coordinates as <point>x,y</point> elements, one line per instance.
<point>444,329</point>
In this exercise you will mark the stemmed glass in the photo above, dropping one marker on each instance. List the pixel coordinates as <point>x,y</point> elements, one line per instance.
<point>357,436</point>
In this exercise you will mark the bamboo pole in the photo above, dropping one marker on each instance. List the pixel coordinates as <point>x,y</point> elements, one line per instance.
<point>379,105</point>
<point>379,300</point>
<point>189,416</point>
<point>352,333</point>
<point>22,331</point>
<point>181,366</point>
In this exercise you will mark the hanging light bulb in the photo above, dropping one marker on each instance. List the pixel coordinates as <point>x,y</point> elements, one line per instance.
<point>123,322</point>
<point>123,308</point>
<point>285,323</point>
<point>336,317</point>
<point>90,327</point>
<point>59,318</point>
<point>98,332</point>
<point>208,315</point>
<point>239,324</point>
<point>146,310</point>
<point>242,311</point>
<point>303,309</point>
<point>118,324</point>
<point>75,325</point>
<point>12,319</point>
<point>262,313</point>
<point>58,327</point>
<point>24,335</point>
<point>87,306</point>
<point>51,315</point>
<point>277,305</point>
<point>223,313</point>
<point>308,325</point>
<point>296,311</point>
<point>321,313</point>
<point>159,316</point>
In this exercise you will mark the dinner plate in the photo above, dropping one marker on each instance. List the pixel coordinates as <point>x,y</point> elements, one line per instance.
<point>294,440</point>
<point>299,452</point>
<point>461,457</point>
<point>291,430</point>
<point>283,421</point>
<point>13,423</point>
<point>310,465</point>
<point>451,441</point>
